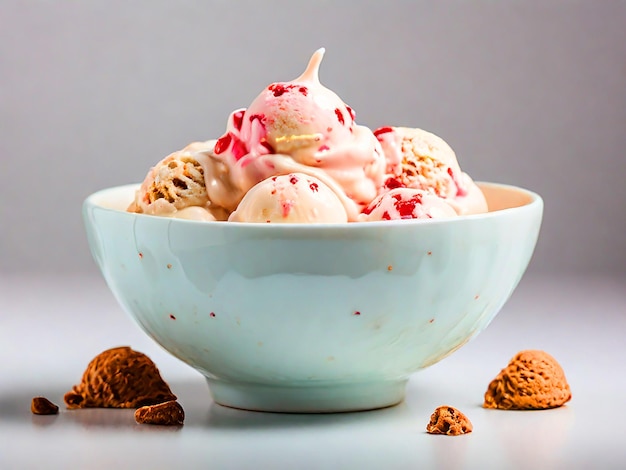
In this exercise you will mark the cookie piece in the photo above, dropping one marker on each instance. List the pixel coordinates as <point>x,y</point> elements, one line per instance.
<point>43,406</point>
<point>119,378</point>
<point>177,179</point>
<point>165,414</point>
<point>449,421</point>
<point>533,380</point>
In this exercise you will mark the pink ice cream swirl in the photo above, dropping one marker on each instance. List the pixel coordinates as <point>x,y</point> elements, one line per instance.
<point>302,126</point>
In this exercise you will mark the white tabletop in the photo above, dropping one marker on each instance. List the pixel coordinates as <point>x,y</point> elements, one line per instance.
<point>50,328</point>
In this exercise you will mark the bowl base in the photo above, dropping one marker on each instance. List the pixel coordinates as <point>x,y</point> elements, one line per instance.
<point>328,398</point>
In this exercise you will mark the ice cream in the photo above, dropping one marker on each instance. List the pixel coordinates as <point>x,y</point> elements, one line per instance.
<point>302,128</point>
<point>292,198</point>
<point>406,203</point>
<point>176,186</point>
<point>419,159</point>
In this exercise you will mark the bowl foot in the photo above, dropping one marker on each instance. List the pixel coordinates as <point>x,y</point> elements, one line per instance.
<point>328,398</point>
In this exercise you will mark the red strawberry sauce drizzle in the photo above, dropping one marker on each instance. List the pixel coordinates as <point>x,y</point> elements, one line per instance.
<point>406,208</point>
<point>339,115</point>
<point>279,89</point>
<point>460,190</point>
<point>222,143</point>
<point>351,111</point>
<point>393,183</point>
<point>238,119</point>
<point>382,130</point>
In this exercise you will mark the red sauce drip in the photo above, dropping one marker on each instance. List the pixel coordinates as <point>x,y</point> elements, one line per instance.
<point>238,119</point>
<point>279,89</point>
<point>386,216</point>
<point>339,116</point>
<point>172,317</point>
<point>368,210</point>
<point>393,183</point>
<point>239,149</point>
<point>212,314</point>
<point>323,148</point>
<point>140,255</point>
<point>260,117</point>
<point>286,205</point>
<point>222,143</point>
<point>293,179</point>
<point>351,111</point>
<point>269,148</point>
<point>406,208</point>
<point>383,130</point>
<point>357,313</point>
<point>314,187</point>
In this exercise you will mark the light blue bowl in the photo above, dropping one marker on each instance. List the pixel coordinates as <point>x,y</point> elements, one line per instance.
<point>313,318</point>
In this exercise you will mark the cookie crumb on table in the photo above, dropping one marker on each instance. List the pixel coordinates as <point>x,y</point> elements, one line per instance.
<point>43,406</point>
<point>119,378</point>
<point>165,414</point>
<point>449,421</point>
<point>533,380</point>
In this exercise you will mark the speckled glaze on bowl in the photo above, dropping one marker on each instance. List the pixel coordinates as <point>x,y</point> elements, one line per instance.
<point>313,318</point>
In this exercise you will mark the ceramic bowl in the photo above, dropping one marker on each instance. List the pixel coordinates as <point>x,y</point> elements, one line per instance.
<point>313,318</point>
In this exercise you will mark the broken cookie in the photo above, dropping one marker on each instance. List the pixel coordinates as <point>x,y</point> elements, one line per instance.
<point>533,380</point>
<point>450,421</point>
<point>43,406</point>
<point>119,378</point>
<point>165,414</point>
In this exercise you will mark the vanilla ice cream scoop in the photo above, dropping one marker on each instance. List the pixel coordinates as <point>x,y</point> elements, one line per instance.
<point>292,198</point>
<point>406,203</point>
<point>177,186</point>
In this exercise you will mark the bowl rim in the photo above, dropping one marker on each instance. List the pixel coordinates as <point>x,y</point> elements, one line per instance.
<point>536,201</point>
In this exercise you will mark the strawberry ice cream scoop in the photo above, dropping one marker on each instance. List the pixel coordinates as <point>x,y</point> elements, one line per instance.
<point>406,203</point>
<point>302,126</point>
<point>292,198</point>
<point>422,160</point>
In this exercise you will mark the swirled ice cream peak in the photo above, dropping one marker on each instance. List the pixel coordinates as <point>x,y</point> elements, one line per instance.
<point>310,124</point>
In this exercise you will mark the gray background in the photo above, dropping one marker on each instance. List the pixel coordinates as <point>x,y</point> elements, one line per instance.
<point>531,93</point>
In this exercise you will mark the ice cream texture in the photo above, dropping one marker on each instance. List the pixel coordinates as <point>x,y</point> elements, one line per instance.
<point>300,129</point>
<point>292,198</point>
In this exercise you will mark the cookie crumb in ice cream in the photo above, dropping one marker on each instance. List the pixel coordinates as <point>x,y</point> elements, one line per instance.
<point>533,380</point>
<point>119,378</point>
<point>43,406</point>
<point>449,421</point>
<point>170,413</point>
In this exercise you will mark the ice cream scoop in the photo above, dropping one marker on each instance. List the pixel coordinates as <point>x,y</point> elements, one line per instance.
<point>177,187</point>
<point>406,203</point>
<point>292,198</point>
<point>302,126</point>
<point>422,160</point>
